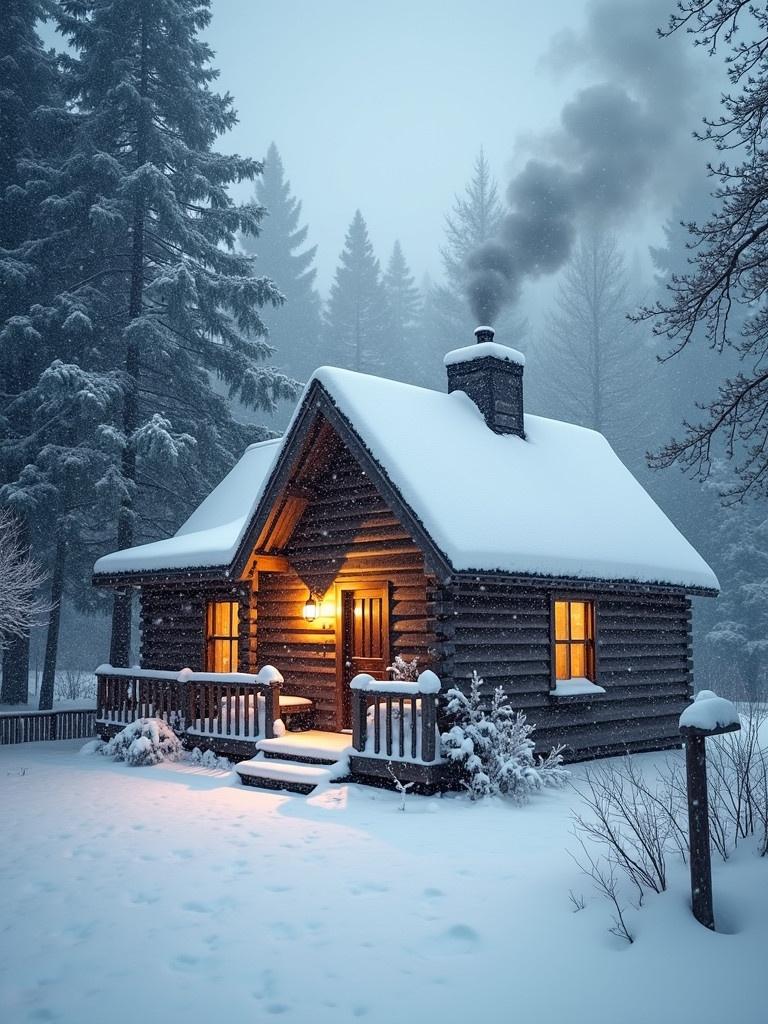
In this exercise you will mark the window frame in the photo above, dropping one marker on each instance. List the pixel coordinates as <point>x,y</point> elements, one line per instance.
<point>211,638</point>
<point>592,647</point>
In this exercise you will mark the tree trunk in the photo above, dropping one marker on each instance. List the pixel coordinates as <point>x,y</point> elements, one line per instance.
<point>15,671</point>
<point>54,620</point>
<point>120,641</point>
<point>121,608</point>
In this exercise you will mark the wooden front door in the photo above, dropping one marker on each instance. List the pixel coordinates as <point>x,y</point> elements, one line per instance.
<point>364,638</point>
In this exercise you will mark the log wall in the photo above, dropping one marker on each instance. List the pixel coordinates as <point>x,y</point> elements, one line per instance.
<point>346,532</point>
<point>643,654</point>
<point>172,623</point>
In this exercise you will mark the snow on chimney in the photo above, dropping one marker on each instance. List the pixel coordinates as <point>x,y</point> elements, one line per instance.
<point>492,376</point>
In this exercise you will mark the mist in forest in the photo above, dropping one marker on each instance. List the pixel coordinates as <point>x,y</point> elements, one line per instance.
<point>428,166</point>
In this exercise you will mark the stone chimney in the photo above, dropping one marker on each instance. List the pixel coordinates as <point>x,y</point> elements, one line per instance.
<point>492,376</point>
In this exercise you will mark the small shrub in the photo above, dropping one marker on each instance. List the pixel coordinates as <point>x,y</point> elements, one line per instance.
<point>403,670</point>
<point>493,747</point>
<point>144,742</point>
<point>207,759</point>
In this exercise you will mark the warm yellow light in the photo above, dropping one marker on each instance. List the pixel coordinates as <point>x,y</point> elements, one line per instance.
<point>310,609</point>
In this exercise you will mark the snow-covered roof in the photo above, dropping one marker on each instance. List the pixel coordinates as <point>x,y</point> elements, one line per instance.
<point>559,503</point>
<point>211,535</point>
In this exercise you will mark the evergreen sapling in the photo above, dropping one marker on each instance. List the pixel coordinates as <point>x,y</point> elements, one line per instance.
<point>492,747</point>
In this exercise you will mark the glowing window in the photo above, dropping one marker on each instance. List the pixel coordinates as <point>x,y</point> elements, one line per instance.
<point>221,634</point>
<point>574,640</point>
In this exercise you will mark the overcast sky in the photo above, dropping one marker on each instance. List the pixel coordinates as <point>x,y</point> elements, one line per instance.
<point>385,106</point>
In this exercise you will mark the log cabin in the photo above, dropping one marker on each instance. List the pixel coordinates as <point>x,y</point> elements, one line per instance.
<point>449,527</point>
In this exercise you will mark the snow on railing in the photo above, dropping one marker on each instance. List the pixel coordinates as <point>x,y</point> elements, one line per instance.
<point>396,719</point>
<point>237,704</point>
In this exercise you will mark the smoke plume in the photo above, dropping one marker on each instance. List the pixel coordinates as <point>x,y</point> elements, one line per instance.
<point>618,144</point>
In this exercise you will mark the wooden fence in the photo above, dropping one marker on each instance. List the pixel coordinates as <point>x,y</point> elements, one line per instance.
<point>32,726</point>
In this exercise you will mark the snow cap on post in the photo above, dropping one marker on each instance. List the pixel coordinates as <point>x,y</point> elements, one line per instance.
<point>362,681</point>
<point>492,376</point>
<point>268,675</point>
<point>429,682</point>
<point>709,715</point>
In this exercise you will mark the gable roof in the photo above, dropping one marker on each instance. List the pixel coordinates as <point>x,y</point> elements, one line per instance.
<point>559,503</point>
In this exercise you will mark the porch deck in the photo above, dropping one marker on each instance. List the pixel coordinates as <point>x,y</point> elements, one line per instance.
<point>245,717</point>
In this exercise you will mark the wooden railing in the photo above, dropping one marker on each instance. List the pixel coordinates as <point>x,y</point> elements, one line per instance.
<point>200,703</point>
<point>32,726</point>
<point>402,725</point>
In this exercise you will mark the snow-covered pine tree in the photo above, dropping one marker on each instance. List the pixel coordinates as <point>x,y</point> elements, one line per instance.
<point>29,256</point>
<point>491,744</point>
<point>403,301</point>
<point>183,304</point>
<point>58,489</point>
<point>355,318</point>
<point>294,329</point>
<point>28,81</point>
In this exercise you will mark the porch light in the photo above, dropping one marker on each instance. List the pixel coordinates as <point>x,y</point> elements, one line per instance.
<point>310,609</point>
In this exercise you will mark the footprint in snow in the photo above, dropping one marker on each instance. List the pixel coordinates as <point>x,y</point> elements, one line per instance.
<point>365,887</point>
<point>184,962</point>
<point>433,894</point>
<point>459,938</point>
<point>197,908</point>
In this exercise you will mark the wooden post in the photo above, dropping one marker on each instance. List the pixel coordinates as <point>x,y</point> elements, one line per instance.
<point>698,818</point>
<point>698,830</point>
<point>271,709</point>
<point>428,723</point>
<point>359,719</point>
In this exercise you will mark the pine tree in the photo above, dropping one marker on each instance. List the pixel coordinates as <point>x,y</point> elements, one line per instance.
<point>590,362</point>
<point>180,302</point>
<point>28,81</point>
<point>355,319</point>
<point>737,631</point>
<point>475,218</point>
<point>294,329</point>
<point>29,257</point>
<point>403,302</point>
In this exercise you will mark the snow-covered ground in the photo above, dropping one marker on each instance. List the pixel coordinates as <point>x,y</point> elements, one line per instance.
<point>173,893</point>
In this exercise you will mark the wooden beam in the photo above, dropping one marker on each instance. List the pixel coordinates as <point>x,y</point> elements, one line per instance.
<point>265,563</point>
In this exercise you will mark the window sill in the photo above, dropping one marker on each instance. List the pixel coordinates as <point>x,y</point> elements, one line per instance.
<point>566,688</point>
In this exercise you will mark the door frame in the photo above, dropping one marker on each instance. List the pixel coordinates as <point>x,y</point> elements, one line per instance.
<point>342,588</point>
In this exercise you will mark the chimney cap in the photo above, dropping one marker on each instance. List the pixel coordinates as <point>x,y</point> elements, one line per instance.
<point>484,333</point>
<point>484,350</point>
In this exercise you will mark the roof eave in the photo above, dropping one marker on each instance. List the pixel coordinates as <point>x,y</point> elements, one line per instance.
<point>137,577</point>
<point>585,582</point>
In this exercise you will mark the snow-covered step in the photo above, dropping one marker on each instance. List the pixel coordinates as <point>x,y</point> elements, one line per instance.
<point>313,746</point>
<point>275,774</point>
